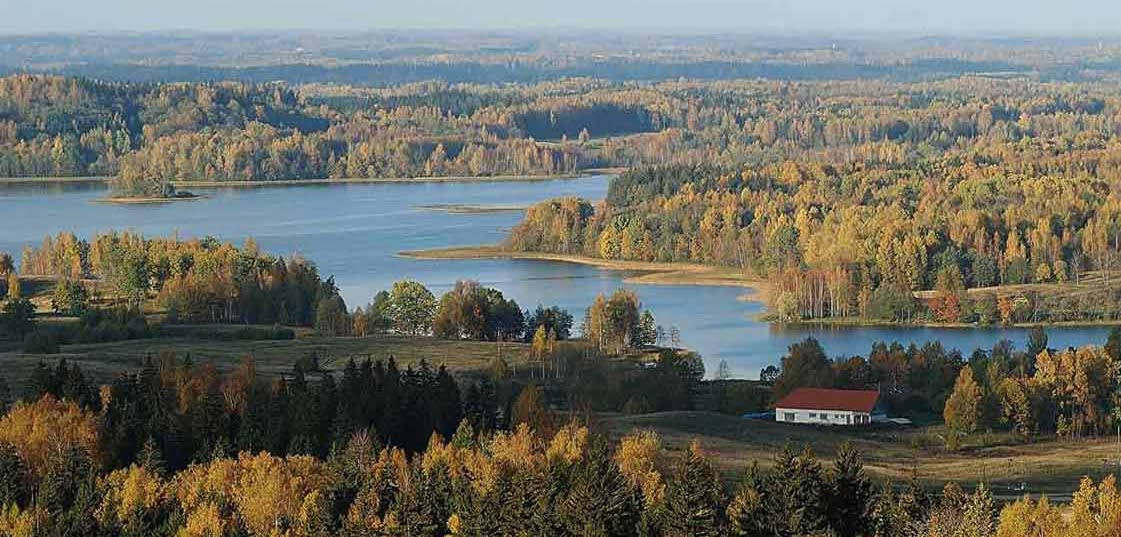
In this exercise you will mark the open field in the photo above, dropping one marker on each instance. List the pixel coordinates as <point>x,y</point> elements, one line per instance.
<point>1089,285</point>
<point>644,272</point>
<point>104,360</point>
<point>1049,466</point>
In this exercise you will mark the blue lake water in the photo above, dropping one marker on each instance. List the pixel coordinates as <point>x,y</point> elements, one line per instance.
<point>355,231</point>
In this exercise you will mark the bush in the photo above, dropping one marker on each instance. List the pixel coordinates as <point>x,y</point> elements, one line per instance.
<point>70,298</point>
<point>40,342</point>
<point>17,317</point>
<point>985,309</point>
<point>1017,272</point>
<point>637,405</point>
<point>309,362</point>
<point>736,397</point>
<point>103,326</point>
<point>892,303</point>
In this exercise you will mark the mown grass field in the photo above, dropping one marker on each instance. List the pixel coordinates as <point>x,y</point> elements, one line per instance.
<point>1089,288</point>
<point>1010,468</point>
<point>102,361</point>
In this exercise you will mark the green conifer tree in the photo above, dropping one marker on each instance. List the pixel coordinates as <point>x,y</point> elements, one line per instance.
<point>601,501</point>
<point>850,494</point>
<point>150,457</point>
<point>694,498</point>
<point>14,486</point>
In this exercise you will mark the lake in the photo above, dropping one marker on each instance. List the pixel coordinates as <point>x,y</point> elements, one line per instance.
<point>354,232</point>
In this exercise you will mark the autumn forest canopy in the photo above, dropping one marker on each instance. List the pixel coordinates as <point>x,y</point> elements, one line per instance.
<point>854,196</point>
<point>1013,104</point>
<point>193,386</point>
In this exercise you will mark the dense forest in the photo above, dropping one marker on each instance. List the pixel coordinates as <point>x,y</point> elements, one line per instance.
<point>70,478</point>
<point>874,132</point>
<point>176,449</point>
<point>853,196</point>
<point>149,135</point>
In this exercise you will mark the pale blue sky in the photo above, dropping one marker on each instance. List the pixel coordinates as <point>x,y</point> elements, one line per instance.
<point>831,16</point>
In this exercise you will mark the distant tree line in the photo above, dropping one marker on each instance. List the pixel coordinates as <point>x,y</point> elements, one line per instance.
<point>148,135</point>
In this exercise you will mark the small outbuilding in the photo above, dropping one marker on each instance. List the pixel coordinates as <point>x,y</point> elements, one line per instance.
<point>823,406</point>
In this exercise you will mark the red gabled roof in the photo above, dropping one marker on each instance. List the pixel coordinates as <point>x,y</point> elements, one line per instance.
<point>827,399</point>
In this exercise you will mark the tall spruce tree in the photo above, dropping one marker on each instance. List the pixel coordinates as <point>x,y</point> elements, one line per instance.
<point>694,498</point>
<point>601,502</point>
<point>69,495</point>
<point>6,399</point>
<point>14,485</point>
<point>424,506</point>
<point>796,503</point>
<point>850,494</point>
<point>41,382</point>
<point>747,512</point>
<point>150,457</point>
<point>448,407</point>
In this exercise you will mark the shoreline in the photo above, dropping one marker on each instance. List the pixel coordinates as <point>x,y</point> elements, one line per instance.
<point>648,273</point>
<point>392,180</point>
<point>591,172</point>
<point>55,180</point>
<point>856,323</point>
<point>466,208</point>
<point>654,273</point>
<point>118,200</point>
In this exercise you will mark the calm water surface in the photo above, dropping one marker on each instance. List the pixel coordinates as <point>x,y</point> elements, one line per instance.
<point>354,232</point>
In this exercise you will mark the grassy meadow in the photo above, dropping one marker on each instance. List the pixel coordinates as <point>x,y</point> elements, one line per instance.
<point>1010,467</point>
<point>102,361</point>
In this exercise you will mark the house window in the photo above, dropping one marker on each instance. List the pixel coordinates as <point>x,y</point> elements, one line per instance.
<point>789,416</point>
<point>813,415</point>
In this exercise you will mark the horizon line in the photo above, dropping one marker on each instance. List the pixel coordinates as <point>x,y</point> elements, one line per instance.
<point>771,32</point>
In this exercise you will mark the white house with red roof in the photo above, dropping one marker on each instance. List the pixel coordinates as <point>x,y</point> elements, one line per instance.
<point>823,406</point>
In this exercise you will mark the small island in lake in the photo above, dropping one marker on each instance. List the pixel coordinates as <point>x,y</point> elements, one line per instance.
<point>470,208</point>
<point>144,200</point>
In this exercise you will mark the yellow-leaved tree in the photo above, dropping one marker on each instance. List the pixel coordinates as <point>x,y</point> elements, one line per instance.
<point>43,430</point>
<point>963,408</point>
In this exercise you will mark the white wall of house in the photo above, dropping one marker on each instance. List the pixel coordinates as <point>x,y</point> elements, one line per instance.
<point>822,417</point>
